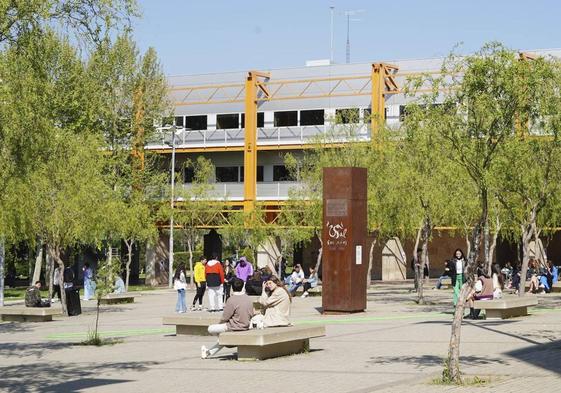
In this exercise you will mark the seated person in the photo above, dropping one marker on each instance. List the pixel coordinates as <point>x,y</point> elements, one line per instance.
<point>483,290</point>
<point>445,274</point>
<point>236,316</point>
<point>310,282</point>
<point>33,296</point>
<point>266,273</point>
<point>276,305</point>
<point>296,279</point>
<point>254,284</point>
<point>119,286</point>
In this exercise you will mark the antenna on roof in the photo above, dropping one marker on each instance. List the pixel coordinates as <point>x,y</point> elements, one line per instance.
<point>348,14</point>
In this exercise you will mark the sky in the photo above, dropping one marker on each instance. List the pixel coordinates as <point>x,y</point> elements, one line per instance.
<point>199,37</point>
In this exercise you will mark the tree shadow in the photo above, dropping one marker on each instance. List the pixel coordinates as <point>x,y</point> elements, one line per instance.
<point>546,356</point>
<point>59,377</point>
<point>433,360</point>
<point>14,327</point>
<point>30,349</point>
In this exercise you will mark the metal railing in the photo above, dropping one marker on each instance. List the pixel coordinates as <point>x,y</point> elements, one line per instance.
<point>265,190</point>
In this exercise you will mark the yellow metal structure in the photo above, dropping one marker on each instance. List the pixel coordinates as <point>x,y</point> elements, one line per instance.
<point>254,89</point>
<point>383,82</point>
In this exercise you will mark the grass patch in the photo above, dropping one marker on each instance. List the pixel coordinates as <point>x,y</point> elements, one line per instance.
<point>138,288</point>
<point>94,339</point>
<point>466,381</point>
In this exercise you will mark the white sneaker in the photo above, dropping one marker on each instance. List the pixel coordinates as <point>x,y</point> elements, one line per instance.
<point>260,325</point>
<point>200,308</point>
<point>304,295</point>
<point>204,352</point>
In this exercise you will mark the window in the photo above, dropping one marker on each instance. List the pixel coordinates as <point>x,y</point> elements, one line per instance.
<point>259,173</point>
<point>196,122</point>
<point>280,173</point>
<point>179,121</point>
<point>347,115</point>
<point>315,117</point>
<point>286,119</point>
<point>188,174</point>
<point>402,112</point>
<point>368,115</point>
<point>230,120</point>
<point>260,120</point>
<point>226,174</point>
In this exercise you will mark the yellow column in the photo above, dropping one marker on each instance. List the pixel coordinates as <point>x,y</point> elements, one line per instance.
<point>250,148</point>
<point>378,104</point>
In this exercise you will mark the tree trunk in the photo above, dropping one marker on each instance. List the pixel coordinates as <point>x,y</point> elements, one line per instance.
<point>1,271</point>
<point>191,274</point>
<point>486,244</point>
<point>129,245</point>
<point>49,270</point>
<point>370,262</point>
<point>416,257</point>
<point>320,253</point>
<point>493,246</point>
<point>425,236</point>
<point>527,233</point>
<point>54,252</point>
<point>38,263</point>
<point>451,371</point>
<point>97,316</point>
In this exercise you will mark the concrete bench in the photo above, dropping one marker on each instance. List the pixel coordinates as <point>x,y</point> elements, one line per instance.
<point>28,314</point>
<point>507,307</point>
<point>117,298</point>
<point>192,323</point>
<point>315,291</point>
<point>259,344</point>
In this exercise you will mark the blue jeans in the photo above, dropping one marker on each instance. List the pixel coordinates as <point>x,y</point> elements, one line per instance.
<point>180,305</point>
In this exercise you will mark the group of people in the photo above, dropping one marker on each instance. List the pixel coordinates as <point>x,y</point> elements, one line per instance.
<point>239,313</point>
<point>216,279</point>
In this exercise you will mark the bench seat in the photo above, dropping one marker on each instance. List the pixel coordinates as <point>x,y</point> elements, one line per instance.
<point>117,298</point>
<point>507,307</point>
<point>195,324</point>
<point>259,344</point>
<point>29,314</point>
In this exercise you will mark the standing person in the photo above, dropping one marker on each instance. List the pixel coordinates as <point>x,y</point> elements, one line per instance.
<point>276,305</point>
<point>228,277</point>
<point>310,282</point>
<point>458,266</point>
<point>180,285</point>
<point>200,283</point>
<point>214,281</point>
<point>237,315</point>
<point>89,283</point>
<point>57,282</point>
<point>244,269</point>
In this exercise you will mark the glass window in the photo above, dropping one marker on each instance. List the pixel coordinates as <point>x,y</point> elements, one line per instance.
<point>347,116</point>
<point>260,120</point>
<point>402,112</point>
<point>315,117</point>
<point>281,173</point>
<point>226,174</point>
<point>226,121</point>
<point>259,173</point>
<point>286,119</point>
<point>196,122</point>
<point>179,121</point>
<point>188,174</point>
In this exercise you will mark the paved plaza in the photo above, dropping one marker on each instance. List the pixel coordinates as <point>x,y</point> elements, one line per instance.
<point>395,346</point>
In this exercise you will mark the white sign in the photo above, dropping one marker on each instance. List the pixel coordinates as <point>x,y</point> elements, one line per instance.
<point>358,255</point>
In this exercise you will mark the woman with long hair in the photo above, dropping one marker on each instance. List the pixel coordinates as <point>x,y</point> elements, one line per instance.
<point>458,265</point>
<point>498,281</point>
<point>275,300</point>
<point>180,285</point>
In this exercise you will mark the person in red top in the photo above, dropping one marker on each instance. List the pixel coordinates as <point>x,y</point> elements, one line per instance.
<point>214,282</point>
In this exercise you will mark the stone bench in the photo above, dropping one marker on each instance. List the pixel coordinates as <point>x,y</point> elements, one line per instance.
<point>117,298</point>
<point>507,307</point>
<point>195,324</point>
<point>259,344</point>
<point>28,314</point>
<point>315,291</point>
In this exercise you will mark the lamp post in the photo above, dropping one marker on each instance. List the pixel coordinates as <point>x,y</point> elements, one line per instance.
<point>173,128</point>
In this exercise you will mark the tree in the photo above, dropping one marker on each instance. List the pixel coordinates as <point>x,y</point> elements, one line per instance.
<point>483,99</point>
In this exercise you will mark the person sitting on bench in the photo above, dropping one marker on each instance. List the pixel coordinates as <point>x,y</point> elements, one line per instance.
<point>483,290</point>
<point>33,296</point>
<point>236,316</point>
<point>275,300</point>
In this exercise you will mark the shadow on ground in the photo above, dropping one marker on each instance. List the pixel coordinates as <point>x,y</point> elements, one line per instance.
<point>14,327</point>
<point>58,377</point>
<point>30,349</point>
<point>546,356</point>
<point>432,360</point>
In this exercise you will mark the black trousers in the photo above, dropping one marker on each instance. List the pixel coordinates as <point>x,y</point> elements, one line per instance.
<point>307,286</point>
<point>201,288</point>
<point>56,291</point>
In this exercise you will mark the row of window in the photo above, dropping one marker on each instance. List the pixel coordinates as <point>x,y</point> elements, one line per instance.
<point>309,117</point>
<point>235,174</point>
